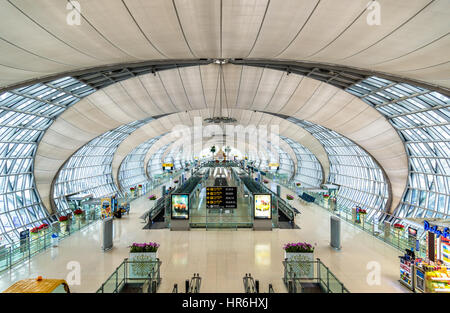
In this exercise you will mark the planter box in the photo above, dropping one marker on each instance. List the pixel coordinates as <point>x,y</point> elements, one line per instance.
<point>64,227</point>
<point>141,270</point>
<point>301,269</point>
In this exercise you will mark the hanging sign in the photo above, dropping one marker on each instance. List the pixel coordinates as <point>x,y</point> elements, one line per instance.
<point>434,229</point>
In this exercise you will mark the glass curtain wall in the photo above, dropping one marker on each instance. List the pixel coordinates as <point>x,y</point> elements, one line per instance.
<point>361,180</point>
<point>25,114</point>
<point>132,169</point>
<point>155,169</point>
<point>422,119</point>
<point>89,170</point>
<point>309,170</point>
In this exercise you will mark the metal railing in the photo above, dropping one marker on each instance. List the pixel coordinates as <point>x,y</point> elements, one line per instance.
<point>310,276</point>
<point>250,284</point>
<point>25,249</point>
<point>392,237</point>
<point>139,275</point>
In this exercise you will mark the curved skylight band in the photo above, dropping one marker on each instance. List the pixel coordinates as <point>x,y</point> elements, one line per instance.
<point>309,171</point>
<point>89,170</point>
<point>360,179</point>
<point>422,118</point>
<point>25,114</point>
<point>155,169</point>
<point>132,169</point>
<point>286,164</point>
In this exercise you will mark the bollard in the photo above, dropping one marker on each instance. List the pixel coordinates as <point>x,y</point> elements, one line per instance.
<point>257,286</point>
<point>187,285</point>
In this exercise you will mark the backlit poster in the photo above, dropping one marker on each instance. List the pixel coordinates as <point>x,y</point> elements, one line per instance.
<point>106,207</point>
<point>262,206</point>
<point>180,206</point>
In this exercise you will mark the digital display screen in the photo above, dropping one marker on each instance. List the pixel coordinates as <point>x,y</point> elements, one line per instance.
<point>263,206</point>
<point>180,206</point>
<point>221,197</point>
<point>412,232</point>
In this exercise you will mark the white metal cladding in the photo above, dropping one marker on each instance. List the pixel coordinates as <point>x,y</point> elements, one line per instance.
<point>132,169</point>
<point>309,171</point>
<point>88,171</point>
<point>361,180</point>
<point>188,92</point>
<point>422,118</point>
<point>411,39</point>
<point>25,114</point>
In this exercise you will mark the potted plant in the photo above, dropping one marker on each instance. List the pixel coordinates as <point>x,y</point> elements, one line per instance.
<point>265,181</point>
<point>78,213</point>
<point>289,197</point>
<point>144,253</point>
<point>175,181</point>
<point>34,233</point>
<point>302,256</point>
<point>64,223</point>
<point>326,196</point>
<point>152,198</point>
<point>298,184</point>
<point>399,227</point>
<point>43,228</point>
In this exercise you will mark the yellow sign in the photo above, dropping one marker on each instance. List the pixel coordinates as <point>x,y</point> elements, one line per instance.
<point>106,207</point>
<point>274,164</point>
<point>167,164</point>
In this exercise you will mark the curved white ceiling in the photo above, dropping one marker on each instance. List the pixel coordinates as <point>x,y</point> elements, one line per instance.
<point>186,119</point>
<point>247,90</point>
<point>412,39</point>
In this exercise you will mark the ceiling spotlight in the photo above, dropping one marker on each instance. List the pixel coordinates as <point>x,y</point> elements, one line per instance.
<point>220,61</point>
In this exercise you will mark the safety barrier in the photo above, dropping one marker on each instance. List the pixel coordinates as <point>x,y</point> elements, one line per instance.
<point>310,277</point>
<point>126,279</point>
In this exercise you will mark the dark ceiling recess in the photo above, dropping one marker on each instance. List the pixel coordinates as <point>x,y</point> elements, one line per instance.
<point>105,77</point>
<point>339,76</point>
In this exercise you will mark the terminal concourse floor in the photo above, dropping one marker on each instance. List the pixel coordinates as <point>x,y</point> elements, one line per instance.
<point>222,257</point>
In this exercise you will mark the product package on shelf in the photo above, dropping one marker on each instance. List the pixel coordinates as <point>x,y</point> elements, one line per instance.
<point>406,272</point>
<point>437,279</point>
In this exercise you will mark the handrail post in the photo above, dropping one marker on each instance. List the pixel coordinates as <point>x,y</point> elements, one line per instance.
<point>328,280</point>
<point>117,283</point>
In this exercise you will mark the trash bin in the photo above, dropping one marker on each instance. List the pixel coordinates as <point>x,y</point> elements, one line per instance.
<point>55,240</point>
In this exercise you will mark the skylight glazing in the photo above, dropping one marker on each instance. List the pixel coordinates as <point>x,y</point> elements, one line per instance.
<point>89,170</point>
<point>422,119</point>
<point>132,169</point>
<point>309,170</point>
<point>25,114</point>
<point>361,180</point>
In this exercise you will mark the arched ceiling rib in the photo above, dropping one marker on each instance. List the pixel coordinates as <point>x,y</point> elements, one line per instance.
<point>247,90</point>
<point>186,135</point>
<point>411,40</point>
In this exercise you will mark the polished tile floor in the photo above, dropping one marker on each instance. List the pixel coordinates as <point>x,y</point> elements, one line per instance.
<point>222,257</point>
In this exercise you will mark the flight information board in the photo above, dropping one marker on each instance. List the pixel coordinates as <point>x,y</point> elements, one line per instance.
<point>221,197</point>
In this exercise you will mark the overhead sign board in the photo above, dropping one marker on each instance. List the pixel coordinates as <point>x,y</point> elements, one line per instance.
<point>221,197</point>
